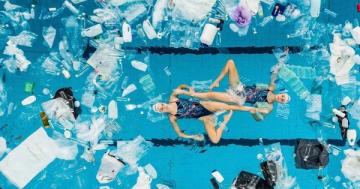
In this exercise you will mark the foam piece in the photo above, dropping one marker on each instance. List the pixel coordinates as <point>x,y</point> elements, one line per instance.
<point>28,100</point>
<point>29,158</point>
<point>113,110</point>
<point>351,137</point>
<point>315,8</point>
<point>139,65</point>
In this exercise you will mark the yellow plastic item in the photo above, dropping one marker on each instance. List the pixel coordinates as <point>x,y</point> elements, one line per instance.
<point>44,120</point>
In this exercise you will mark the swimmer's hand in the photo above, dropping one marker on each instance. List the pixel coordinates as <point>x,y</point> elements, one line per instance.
<point>190,92</point>
<point>253,110</point>
<point>198,137</point>
<point>214,85</point>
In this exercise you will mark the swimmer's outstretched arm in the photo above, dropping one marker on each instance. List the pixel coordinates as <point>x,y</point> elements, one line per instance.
<point>274,77</point>
<point>182,134</point>
<point>173,96</point>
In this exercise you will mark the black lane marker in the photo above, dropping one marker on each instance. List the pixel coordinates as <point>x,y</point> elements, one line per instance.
<point>214,50</point>
<point>166,142</point>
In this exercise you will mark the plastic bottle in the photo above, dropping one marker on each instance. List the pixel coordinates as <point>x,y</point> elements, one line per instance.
<point>266,20</point>
<point>124,83</point>
<point>71,7</point>
<point>126,31</point>
<point>330,13</point>
<point>208,34</point>
<point>66,73</point>
<point>32,11</point>
<point>260,11</point>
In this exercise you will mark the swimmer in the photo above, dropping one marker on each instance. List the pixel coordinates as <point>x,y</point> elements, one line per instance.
<point>184,108</point>
<point>240,94</point>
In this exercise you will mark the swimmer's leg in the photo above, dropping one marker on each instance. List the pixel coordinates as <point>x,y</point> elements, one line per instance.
<point>221,106</point>
<point>229,69</point>
<point>214,134</point>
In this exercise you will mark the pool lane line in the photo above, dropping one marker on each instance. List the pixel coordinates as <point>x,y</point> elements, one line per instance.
<point>215,50</point>
<point>167,142</point>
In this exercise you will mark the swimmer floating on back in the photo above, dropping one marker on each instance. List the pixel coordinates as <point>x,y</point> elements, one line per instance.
<point>185,108</point>
<point>240,94</point>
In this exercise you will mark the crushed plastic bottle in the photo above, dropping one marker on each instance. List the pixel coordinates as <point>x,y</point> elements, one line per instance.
<point>147,83</point>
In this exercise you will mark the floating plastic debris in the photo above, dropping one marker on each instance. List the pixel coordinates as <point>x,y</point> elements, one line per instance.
<point>139,65</point>
<point>330,13</point>
<point>49,34</point>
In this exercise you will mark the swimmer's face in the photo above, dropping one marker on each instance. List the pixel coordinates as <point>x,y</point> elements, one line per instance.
<point>161,107</point>
<point>282,98</point>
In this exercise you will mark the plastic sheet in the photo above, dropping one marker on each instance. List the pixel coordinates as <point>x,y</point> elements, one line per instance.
<point>132,151</point>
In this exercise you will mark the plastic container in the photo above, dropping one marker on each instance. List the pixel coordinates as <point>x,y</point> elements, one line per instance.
<point>29,87</point>
<point>338,113</point>
<point>149,29</point>
<point>139,65</point>
<point>126,31</point>
<point>217,175</point>
<point>208,34</point>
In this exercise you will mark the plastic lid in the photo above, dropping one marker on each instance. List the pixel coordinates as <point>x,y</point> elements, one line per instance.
<point>77,104</point>
<point>67,134</point>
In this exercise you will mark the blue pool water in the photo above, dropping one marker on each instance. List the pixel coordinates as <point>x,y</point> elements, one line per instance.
<point>180,163</point>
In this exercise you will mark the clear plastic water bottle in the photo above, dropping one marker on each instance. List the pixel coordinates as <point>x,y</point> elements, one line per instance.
<point>266,20</point>
<point>124,82</point>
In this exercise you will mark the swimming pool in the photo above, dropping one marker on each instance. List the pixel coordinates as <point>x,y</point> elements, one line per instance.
<point>179,163</point>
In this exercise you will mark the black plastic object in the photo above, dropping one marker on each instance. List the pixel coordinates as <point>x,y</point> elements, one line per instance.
<point>269,171</point>
<point>342,120</point>
<point>310,154</point>
<point>246,180</point>
<point>67,94</point>
<point>214,183</point>
<point>278,9</point>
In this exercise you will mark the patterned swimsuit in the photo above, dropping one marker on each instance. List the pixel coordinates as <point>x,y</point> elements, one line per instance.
<point>190,108</point>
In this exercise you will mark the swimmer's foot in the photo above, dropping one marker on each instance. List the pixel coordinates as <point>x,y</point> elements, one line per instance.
<point>214,85</point>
